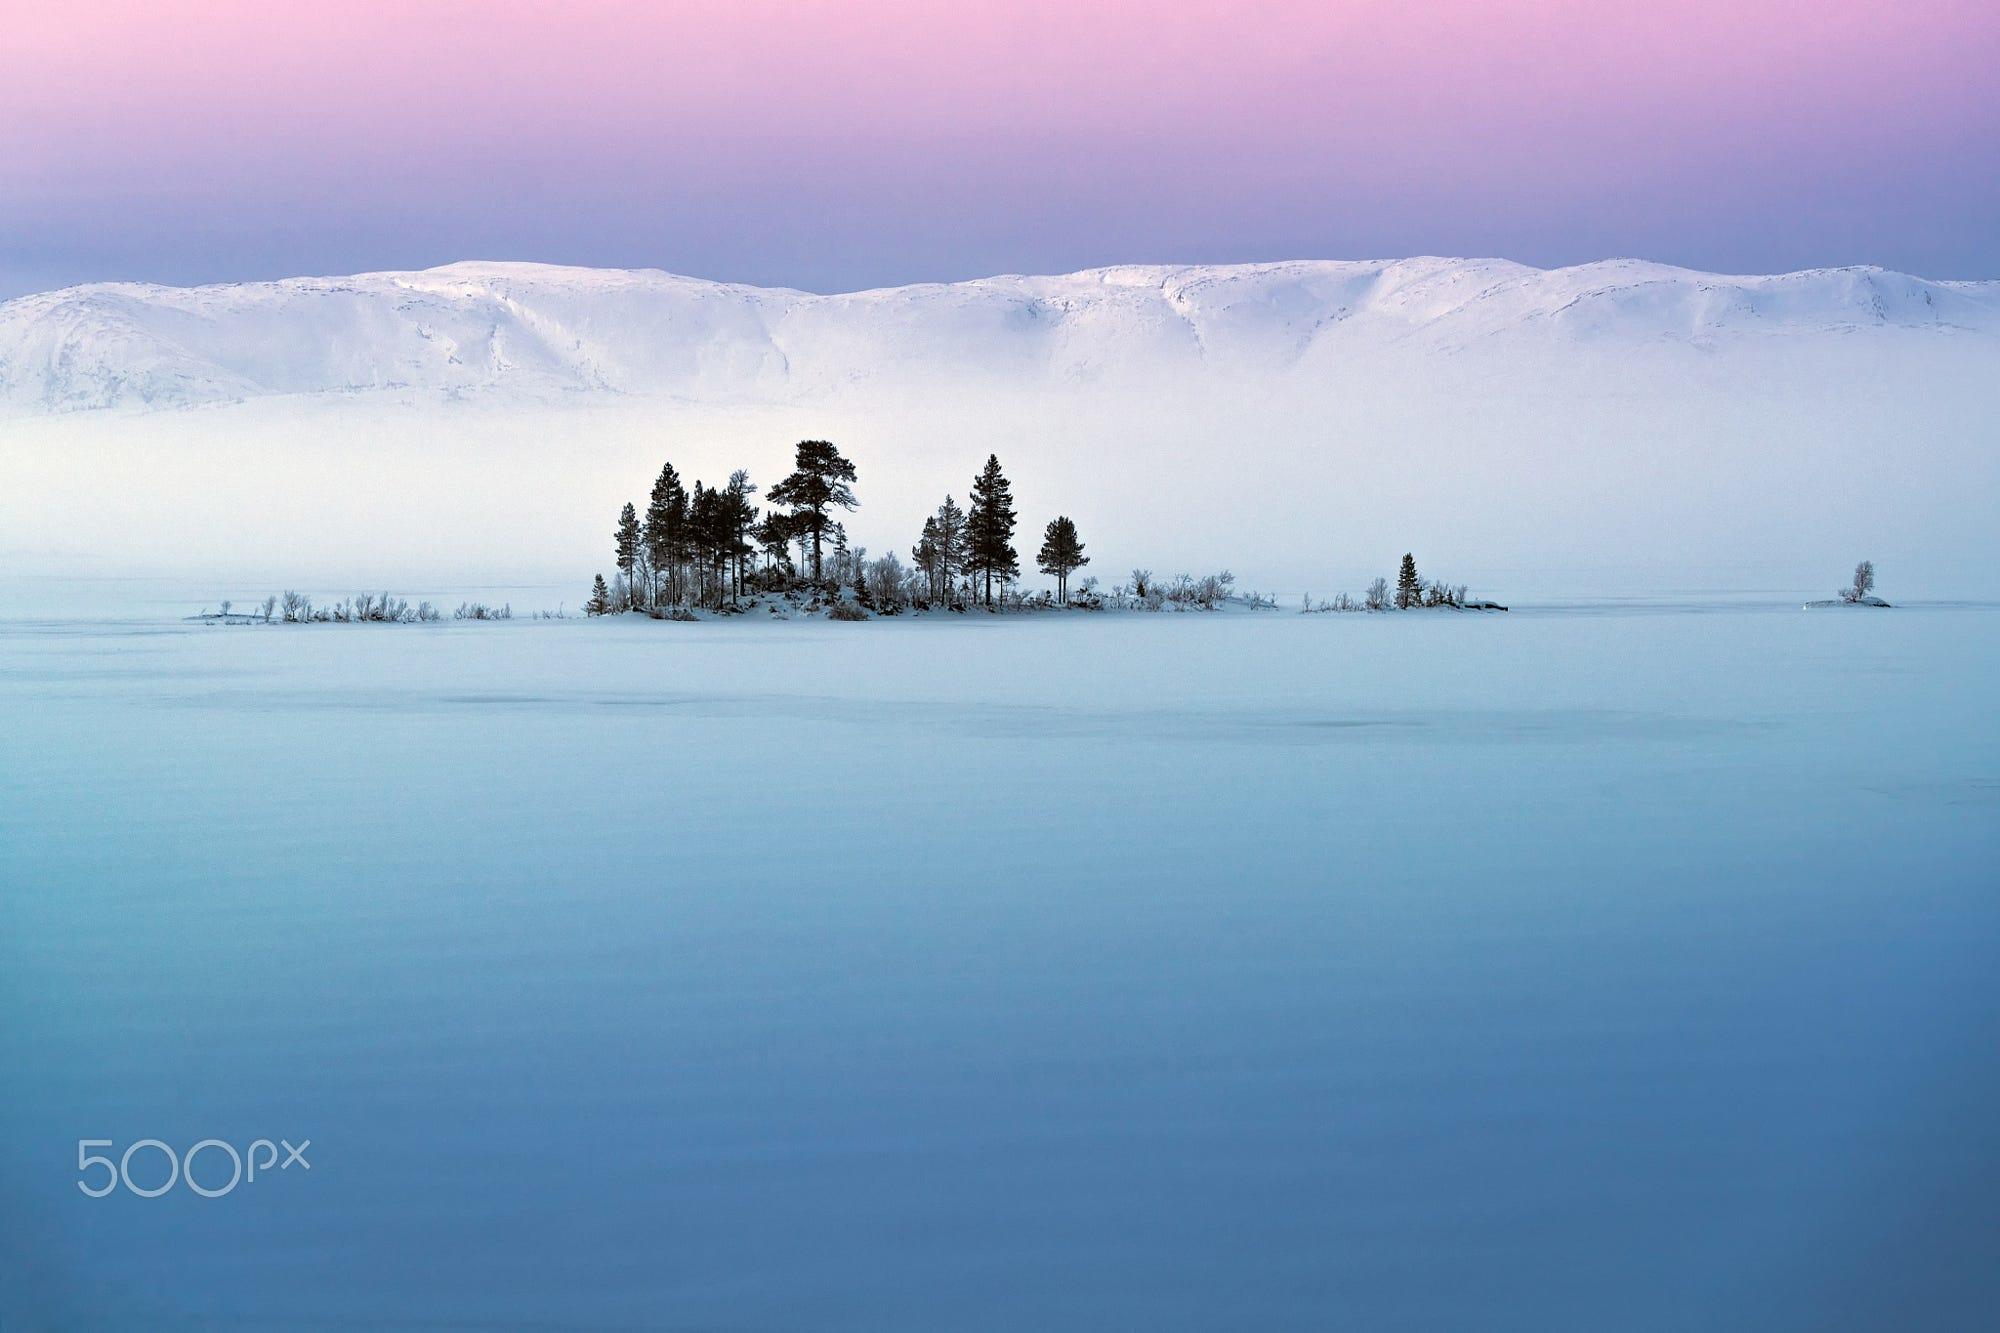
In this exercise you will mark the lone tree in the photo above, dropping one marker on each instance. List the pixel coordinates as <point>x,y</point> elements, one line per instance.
<point>600,598</point>
<point>1409,588</point>
<point>989,528</point>
<point>627,537</point>
<point>819,482</point>
<point>1864,582</point>
<point>1061,553</point>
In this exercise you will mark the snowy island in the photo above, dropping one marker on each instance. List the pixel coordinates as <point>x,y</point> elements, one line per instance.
<point>1861,592</point>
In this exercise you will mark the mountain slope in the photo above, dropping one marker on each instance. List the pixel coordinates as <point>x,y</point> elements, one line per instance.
<point>1585,430</point>
<point>544,333</point>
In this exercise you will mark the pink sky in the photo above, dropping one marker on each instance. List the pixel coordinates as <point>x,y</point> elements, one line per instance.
<point>831,145</point>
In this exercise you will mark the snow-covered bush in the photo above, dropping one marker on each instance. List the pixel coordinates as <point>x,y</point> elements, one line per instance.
<point>846,611</point>
<point>888,582</point>
<point>1204,594</point>
<point>1444,595</point>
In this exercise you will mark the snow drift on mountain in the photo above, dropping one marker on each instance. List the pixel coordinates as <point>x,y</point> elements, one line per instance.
<point>546,333</point>
<point>1585,430</point>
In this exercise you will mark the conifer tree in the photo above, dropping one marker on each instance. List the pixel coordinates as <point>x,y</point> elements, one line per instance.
<point>774,534</point>
<point>819,482</point>
<point>741,518</point>
<point>1061,553</point>
<point>703,545</point>
<point>1409,589</point>
<point>600,598</point>
<point>627,537</point>
<point>950,538</point>
<point>989,528</point>
<point>839,543</point>
<point>666,514</point>
<point>925,553</point>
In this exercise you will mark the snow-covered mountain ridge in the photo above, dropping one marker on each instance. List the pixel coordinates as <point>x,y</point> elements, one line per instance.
<point>551,333</point>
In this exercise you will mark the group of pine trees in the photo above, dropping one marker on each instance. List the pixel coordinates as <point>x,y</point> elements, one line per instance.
<point>702,547</point>
<point>689,549</point>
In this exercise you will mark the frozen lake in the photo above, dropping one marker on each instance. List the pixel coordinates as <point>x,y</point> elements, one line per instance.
<point>1585,968</point>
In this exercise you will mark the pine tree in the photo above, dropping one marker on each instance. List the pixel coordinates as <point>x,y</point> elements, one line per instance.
<point>699,542</point>
<point>839,544</point>
<point>666,515</point>
<point>950,538</point>
<point>600,598</point>
<point>1409,588</point>
<point>925,553</point>
<point>989,528</point>
<point>1061,554</point>
<point>627,537</point>
<point>819,482</point>
<point>774,534</point>
<point>741,518</point>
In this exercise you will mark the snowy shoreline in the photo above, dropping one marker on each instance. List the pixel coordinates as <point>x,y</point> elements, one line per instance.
<point>764,609</point>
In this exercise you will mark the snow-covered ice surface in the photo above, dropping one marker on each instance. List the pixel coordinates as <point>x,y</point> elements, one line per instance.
<point>1588,967</point>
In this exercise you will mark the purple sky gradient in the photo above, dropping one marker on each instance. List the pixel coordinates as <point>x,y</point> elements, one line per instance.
<point>833,146</point>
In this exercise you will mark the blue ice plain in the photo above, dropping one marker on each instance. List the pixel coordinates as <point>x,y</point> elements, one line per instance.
<point>1577,969</point>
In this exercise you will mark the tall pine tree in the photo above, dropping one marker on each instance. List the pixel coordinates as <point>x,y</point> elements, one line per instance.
<point>702,545</point>
<point>627,537</point>
<point>989,528</point>
<point>1409,588</point>
<point>950,538</point>
<point>666,515</point>
<point>925,553</point>
<point>1061,554</point>
<point>741,517</point>
<point>819,482</point>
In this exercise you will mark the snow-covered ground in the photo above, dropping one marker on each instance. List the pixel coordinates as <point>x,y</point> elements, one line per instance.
<point>1603,966</point>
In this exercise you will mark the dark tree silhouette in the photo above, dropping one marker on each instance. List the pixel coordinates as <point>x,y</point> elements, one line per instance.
<point>1409,588</point>
<point>666,515</point>
<point>600,598</point>
<point>740,516</point>
<point>925,553</point>
<point>950,537</point>
<point>989,528</point>
<point>705,540</point>
<point>819,482</point>
<point>627,537</point>
<point>1061,553</point>
<point>774,535</point>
